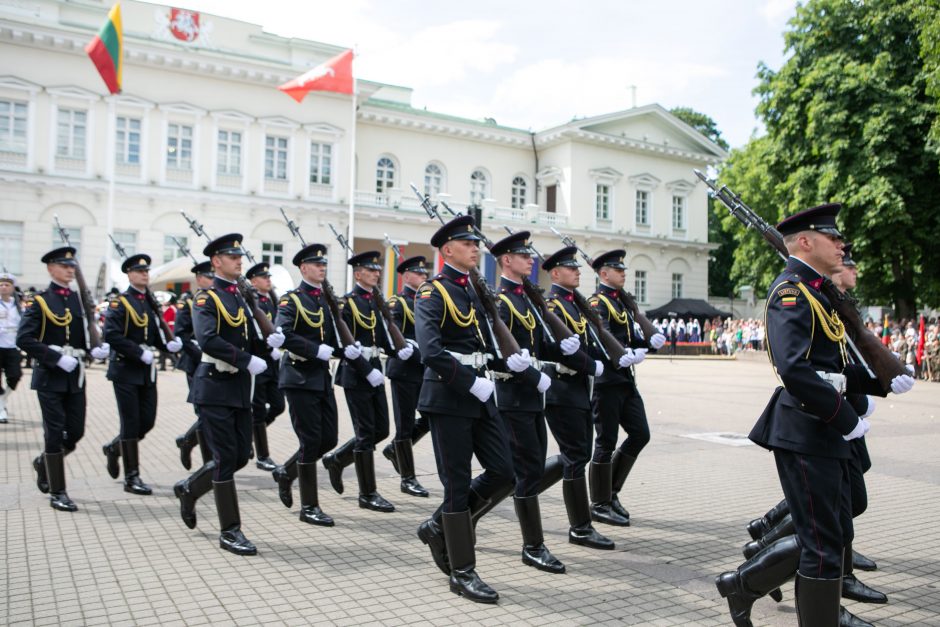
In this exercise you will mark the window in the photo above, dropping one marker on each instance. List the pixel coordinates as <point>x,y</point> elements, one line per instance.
<point>230,153</point>
<point>179,147</point>
<point>602,202</point>
<point>550,198</point>
<point>642,207</point>
<point>75,239</point>
<point>127,240</point>
<point>678,213</point>
<point>433,180</point>
<point>127,149</point>
<point>70,138</point>
<point>479,187</point>
<point>676,285</point>
<point>639,286</point>
<point>11,246</point>
<point>13,126</point>
<point>275,157</point>
<point>170,250</point>
<point>518,193</point>
<point>272,253</point>
<point>321,163</point>
<point>384,175</point>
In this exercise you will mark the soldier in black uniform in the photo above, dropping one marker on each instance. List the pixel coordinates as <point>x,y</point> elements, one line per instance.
<point>132,329</point>
<point>222,392</point>
<point>53,333</point>
<point>406,375</point>
<point>457,398</point>
<point>189,360</point>
<point>268,401</point>
<point>808,424</point>
<point>310,341</point>
<point>568,400</point>
<point>617,401</point>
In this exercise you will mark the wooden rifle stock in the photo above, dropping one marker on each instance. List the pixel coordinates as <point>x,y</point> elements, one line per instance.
<point>346,337</point>
<point>395,335</point>
<point>611,344</point>
<point>84,295</point>
<point>504,339</point>
<point>629,303</point>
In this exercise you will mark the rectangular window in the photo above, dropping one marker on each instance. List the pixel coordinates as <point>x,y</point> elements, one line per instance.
<point>128,141</point>
<point>13,126</point>
<point>127,240</point>
<point>75,239</point>
<point>11,246</point>
<point>273,253</point>
<point>550,198</point>
<point>71,133</point>
<point>275,158</point>
<point>639,286</point>
<point>642,207</point>
<point>321,163</point>
<point>602,202</point>
<point>179,147</point>
<point>170,250</point>
<point>230,153</point>
<point>676,285</point>
<point>678,213</point>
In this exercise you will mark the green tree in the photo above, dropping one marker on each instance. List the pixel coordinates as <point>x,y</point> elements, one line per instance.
<point>927,15</point>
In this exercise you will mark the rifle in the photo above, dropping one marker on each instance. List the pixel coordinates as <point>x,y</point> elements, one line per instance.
<point>500,336</point>
<point>343,334</point>
<point>182,248</point>
<point>867,350</point>
<point>263,326</point>
<point>92,337</point>
<point>162,325</point>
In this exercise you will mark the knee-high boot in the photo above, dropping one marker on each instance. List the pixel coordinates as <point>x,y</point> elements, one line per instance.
<point>534,551</point>
<point>55,471</point>
<point>263,459</point>
<point>817,602</point>
<point>190,489</point>
<point>186,443</point>
<point>601,510</point>
<point>764,572</point>
<point>622,465</point>
<point>204,449</point>
<point>369,498</point>
<point>226,503</point>
<point>464,581</point>
<point>760,526</point>
<point>284,476</point>
<point>406,468</point>
<point>132,480</point>
<point>42,478</point>
<point>336,461</point>
<point>781,530</point>
<point>112,452</point>
<point>310,511</point>
<point>553,473</point>
<point>854,589</point>
<point>431,533</point>
<point>581,531</point>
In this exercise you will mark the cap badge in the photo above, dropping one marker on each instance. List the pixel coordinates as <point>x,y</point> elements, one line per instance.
<point>236,244</point>
<point>68,254</point>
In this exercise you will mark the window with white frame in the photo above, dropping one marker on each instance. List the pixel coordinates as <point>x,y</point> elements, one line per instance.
<point>11,246</point>
<point>433,180</point>
<point>229,153</point>
<point>639,286</point>
<point>676,285</point>
<point>518,192</point>
<point>275,157</point>
<point>170,250</point>
<point>75,239</point>
<point>13,126</point>
<point>127,141</point>
<point>179,147</point>
<point>272,253</point>
<point>127,240</point>
<point>72,130</point>
<point>642,207</point>
<point>678,213</point>
<point>384,175</point>
<point>321,163</point>
<point>479,187</point>
<point>602,201</point>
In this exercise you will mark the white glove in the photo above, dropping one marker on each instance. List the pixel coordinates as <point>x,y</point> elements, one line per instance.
<point>276,339</point>
<point>324,352</point>
<point>276,354</point>
<point>627,359</point>
<point>375,378</point>
<point>174,345</point>
<point>640,355</point>
<point>598,368</point>
<point>860,429</point>
<point>101,352</point>
<point>353,351</point>
<point>657,341</point>
<point>570,345</point>
<point>406,352</point>
<point>67,363</point>
<point>517,362</point>
<point>902,383</point>
<point>482,389</point>
<point>871,408</point>
<point>910,369</point>
<point>257,365</point>
<point>147,356</point>
<point>544,383</point>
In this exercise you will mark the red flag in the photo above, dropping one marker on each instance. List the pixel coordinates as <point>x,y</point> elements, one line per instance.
<point>921,342</point>
<point>333,75</point>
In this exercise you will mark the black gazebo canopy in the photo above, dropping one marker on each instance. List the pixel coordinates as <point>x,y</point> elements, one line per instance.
<point>687,308</point>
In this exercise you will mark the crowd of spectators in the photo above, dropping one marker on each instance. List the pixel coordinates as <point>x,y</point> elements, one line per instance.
<point>904,338</point>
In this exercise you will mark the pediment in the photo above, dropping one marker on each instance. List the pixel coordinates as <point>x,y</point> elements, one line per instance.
<point>654,126</point>
<point>278,120</point>
<point>71,91</point>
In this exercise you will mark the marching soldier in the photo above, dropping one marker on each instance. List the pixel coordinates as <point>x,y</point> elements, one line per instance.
<point>188,362</point>
<point>457,398</point>
<point>222,392</point>
<point>617,402</point>
<point>406,376</point>
<point>132,329</point>
<point>363,384</point>
<point>268,402</point>
<point>808,428</point>
<point>11,310</point>
<point>53,333</point>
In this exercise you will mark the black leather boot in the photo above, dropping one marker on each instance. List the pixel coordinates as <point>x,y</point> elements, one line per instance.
<point>422,428</point>
<point>854,589</point>
<point>406,467</point>
<point>112,451</point>
<point>581,530</point>
<point>534,551</point>
<point>601,510</point>
<point>760,526</point>
<point>781,530</point>
<point>817,602</point>
<point>226,504</point>
<point>480,506</point>
<point>464,581</point>
<point>860,562</point>
<point>431,533</point>
<point>55,471</point>
<point>552,474</point>
<point>42,479</point>
<point>622,465</point>
<point>369,498</point>
<point>284,476</point>
<point>132,481</point>
<point>263,459</point>
<point>310,511</point>
<point>764,572</point>
<point>204,449</point>
<point>389,453</point>
<point>336,461</point>
<point>190,489</point>
<point>848,619</point>
<point>186,443</point>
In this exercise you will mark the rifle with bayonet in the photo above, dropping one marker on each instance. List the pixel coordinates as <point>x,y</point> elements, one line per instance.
<point>84,295</point>
<point>866,349</point>
<point>166,334</point>
<point>183,248</point>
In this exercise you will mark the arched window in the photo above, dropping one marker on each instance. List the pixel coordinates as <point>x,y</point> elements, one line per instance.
<point>384,175</point>
<point>479,187</point>
<point>518,192</point>
<point>433,179</point>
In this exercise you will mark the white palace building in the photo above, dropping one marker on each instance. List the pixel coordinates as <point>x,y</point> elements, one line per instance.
<point>201,127</point>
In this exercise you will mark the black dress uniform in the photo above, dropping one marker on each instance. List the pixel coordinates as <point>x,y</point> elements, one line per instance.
<point>368,405</point>
<point>406,376</point>
<point>449,323</point>
<point>268,401</point>
<point>53,325</point>
<point>617,404</point>
<point>310,339</point>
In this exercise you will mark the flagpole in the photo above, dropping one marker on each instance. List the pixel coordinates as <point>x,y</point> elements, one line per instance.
<point>111,156</point>
<point>351,232</point>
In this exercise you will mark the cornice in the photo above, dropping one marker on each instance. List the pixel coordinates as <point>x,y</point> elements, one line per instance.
<point>554,137</point>
<point>436,126</point>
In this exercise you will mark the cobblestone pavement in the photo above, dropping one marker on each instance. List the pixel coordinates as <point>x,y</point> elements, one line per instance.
<point>123,559</point>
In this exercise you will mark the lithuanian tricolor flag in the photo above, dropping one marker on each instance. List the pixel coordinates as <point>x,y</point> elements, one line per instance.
<point>107,50</point>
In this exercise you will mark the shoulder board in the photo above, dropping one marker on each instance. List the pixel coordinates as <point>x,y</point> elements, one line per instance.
<point>552,305</point>
<point>425,291</point>
<point>284,299</point>
<point>200,302</point>
<point>115,304</point>
<point>593,301</point>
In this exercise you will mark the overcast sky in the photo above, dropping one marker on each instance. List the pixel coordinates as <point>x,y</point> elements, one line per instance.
<point>533,65</point>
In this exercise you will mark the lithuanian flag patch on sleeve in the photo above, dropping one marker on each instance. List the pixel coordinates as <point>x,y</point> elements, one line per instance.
<point>788,301</point>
